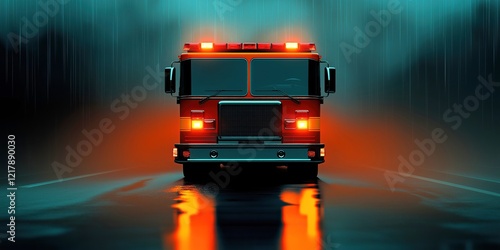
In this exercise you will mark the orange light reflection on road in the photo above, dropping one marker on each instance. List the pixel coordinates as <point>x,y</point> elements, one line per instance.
<point>300,220</point>
<point>195,227</point>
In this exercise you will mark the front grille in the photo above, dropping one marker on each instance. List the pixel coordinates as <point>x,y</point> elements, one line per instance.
<point>249,119</point>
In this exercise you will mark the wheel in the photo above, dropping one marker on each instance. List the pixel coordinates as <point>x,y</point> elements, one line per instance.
<point>303,171</point>
<point>196,171</point>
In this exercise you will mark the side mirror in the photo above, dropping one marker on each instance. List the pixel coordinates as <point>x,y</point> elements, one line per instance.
<point>330,77</point>
<point>170,80</point>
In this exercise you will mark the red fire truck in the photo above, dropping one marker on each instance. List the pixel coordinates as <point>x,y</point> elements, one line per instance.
<point>250,104</point>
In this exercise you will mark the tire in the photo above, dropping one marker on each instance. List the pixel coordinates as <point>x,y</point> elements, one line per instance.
<point>303,171</point>
<point>196,171</point>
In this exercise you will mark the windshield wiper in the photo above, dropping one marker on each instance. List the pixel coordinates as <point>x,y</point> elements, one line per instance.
<point>282,92</point>
<point>217,92</point>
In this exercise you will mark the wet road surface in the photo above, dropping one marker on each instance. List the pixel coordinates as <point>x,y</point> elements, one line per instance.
<point>129,210</point>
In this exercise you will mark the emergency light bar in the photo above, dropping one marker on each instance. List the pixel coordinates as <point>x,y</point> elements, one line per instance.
<point>245,47</point>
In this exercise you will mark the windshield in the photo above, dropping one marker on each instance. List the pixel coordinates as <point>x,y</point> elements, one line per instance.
<point>278,77</point>
<point>206,77</point>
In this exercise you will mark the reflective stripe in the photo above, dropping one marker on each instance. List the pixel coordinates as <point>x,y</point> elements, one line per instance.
<point>313,123</point>
<point>185,123</point>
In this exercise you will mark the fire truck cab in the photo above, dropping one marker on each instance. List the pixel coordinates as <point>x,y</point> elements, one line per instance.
<point>250,104</point>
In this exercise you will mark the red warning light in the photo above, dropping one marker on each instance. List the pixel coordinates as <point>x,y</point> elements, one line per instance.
<point>263,46</point>
<point>241,47</point>
<point>249,46</point>
<point>234,46</point>
<point>292,45</point>
<point>207,45</point>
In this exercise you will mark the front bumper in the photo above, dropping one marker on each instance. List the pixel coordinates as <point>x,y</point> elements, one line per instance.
<point>262,153</point>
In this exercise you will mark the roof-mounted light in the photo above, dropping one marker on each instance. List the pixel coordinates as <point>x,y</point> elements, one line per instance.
<point>263,46</point>
<point>244,47</point>
<point>307,46</point>
<point>234,46</point>
<point>250,46</point>
<point>292,45</point>
<point>278,47</point>
<point>207,46</point>
<point>191,47</point>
